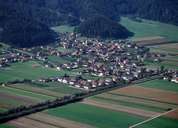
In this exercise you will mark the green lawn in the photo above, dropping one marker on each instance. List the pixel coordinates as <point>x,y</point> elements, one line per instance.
<point>161,84</point>
<point>99,117</point>
<point>161,122</point>
<point>148,28</point>
<point>63,28</point>
<point>27,70</point>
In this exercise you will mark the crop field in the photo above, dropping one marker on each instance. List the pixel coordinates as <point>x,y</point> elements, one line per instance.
<point>96,116</point>
<point>27,94</point>
<point>148,28</point>
<point>171,59</point>
<point>54,89</point>
<point>168,120</point>
<point>161,84</point>
<point>27,70</point>
<point>120,108</point>
<point>166,48</point>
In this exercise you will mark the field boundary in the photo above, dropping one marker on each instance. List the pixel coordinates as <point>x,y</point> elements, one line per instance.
<point>150,119</point>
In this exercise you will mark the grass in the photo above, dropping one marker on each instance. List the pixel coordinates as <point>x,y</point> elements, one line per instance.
<point>60,60</point>
<point>166,48</point>
<point>23,93</point>
<point>99,117</point>
<point>161,84</point>
<point>130,104</point>
<point>166,64</point>
<point>148,28</point>
<point>161,122</point>
<point>6,126</point>
<point>63,28</point>
<point>27,70</point>
<point>57,87</point>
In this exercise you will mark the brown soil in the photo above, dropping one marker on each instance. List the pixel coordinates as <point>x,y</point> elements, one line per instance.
<point>153,94</point>
<point>24,100</point>
<point>36,90</point>
<point>42,120</point>
<point>137,101</point>
<point>173,114</point>
<point>121,108</point>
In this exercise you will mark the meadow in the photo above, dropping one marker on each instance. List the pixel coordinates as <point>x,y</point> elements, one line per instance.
<point>63,28</point>
<point>148,28</point>
<point>26,70</point>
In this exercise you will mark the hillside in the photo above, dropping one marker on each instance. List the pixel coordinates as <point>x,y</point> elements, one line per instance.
<point>100,26</point>
<point>50,13</point>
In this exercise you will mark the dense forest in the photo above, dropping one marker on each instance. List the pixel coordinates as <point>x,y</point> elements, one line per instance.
<point>47,13</point>
<point>103,27</point>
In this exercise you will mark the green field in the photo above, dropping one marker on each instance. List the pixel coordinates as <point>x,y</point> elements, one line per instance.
<point>60,60</point>
<point>6,126</point>
<point>167,64</point>
<point>148,28</point>
<point>132,104</point>
<point>57,87</point>
<point>27,70</point>
<point>99,117</point>
<point>161,84</point>
<point>161,122</point>
<point>22,93</point>
<point>63,28</point>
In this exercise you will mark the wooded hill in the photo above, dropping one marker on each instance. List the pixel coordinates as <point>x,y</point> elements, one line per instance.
<point>47,13</point>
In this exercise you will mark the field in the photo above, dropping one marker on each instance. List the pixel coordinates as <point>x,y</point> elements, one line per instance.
<point>63,28</point>
<point>148,28</point>
<point>120,108</point>
<point>170,61</point>
<point>27,94</point>
<point>161,84</point>
<point>27,70</point>
<point>95,116</point>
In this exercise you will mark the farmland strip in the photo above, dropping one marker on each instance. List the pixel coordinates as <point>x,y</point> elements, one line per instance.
<point>121,108</point>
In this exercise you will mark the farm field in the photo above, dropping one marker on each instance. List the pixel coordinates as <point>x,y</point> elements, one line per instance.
<point>27,70</point>
<point>53,88</point>
<point>165,121</point>
<point>149,94</point>
<point>148,28</point>
<point>95,116</point>
<point>27,94</point>
<point>43,120</point>
<point>171,59</point>
<point>161,84</point>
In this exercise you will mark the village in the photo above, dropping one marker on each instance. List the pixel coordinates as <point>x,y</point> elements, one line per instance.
<point>111,62</point>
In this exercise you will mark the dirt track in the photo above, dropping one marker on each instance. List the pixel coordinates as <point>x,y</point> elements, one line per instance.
<point>121,108</point>
<point>43,120</point>
<point>153,94</point>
